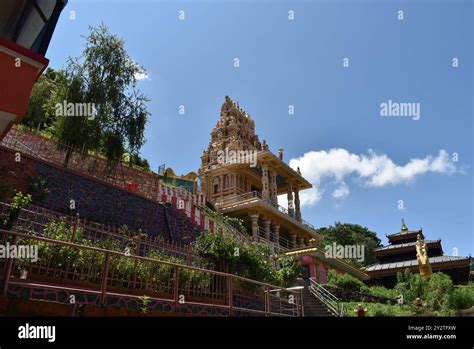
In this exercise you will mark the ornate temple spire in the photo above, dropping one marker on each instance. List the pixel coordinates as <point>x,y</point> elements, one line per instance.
<point>235,130</point>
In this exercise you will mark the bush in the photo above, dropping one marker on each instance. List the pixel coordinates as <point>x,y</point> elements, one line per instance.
<point>462,298</point>
<point>438,293</point>
<point>19,202</point>
<point>253,261</point>
<point>380,291</point>
<point>411,286</point>
<point>345,281</point>
<point>378,309</point>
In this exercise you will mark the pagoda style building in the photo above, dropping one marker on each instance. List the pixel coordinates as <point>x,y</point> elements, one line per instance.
<point>243,179</point>
<point>409,250</point>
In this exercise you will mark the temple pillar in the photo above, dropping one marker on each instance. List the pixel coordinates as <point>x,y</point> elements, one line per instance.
<point>291,204</point>
<point>297,205</point>
<point>301,242</point>
<point>266,227</point>
<point>293,240</point>
<point>254,219</point>
<point>265,189</point>
<point>273,189</point>
<point>276,230</point>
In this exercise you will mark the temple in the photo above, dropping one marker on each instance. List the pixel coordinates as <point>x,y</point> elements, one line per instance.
<point>243,179</point>
<point>409,250</point>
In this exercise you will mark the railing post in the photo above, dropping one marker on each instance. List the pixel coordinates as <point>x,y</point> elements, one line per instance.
<point>8,269</point>
<point>300,305</point>
<point>74,229</point>
<point>267,301</point>
<point>230,293</point>
<point>105,275</point>
<point>176,287</point>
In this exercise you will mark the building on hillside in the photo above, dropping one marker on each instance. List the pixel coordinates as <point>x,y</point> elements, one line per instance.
<point>316,264</point>
<point>187,181</point>
<point>409,250</point>
<point>243,179</point>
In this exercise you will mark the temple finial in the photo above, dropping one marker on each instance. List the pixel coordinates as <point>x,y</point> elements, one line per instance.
<point>404,226</point>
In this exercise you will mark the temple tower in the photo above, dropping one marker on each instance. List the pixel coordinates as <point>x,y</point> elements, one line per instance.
<point>244,178</point>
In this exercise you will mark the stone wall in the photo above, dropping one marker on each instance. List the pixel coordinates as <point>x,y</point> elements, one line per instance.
<point>94,200</point>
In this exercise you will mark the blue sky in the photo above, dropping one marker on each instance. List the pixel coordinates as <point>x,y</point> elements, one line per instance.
<point>299,62</point>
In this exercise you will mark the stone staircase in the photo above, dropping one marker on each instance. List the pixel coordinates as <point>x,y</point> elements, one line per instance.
<point>312,306</point>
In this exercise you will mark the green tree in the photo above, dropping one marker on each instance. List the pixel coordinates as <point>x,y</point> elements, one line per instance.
<point>105,77</point>
<point>37,116</point>
<point>411,286</point>
<point>439,292</point>
<point>351,234</point>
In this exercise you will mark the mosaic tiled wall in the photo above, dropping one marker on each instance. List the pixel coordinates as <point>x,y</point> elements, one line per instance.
<point>94,200</point>
<point>15,171</point>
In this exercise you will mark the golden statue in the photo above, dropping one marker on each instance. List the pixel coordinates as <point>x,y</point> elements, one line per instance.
<point>422,256</point>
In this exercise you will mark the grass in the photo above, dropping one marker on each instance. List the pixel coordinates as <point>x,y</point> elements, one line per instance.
<point>378,309</point>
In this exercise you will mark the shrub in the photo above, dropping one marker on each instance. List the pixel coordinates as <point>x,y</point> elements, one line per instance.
<point>411,286</point>
<point>438,293</point>
<point>378,309</point>
<point>380,291</point>
<point>345,281</point>
<point>19,202</point>
<point>462,298</point>
<point>253,261</point>
<point>289,270</point>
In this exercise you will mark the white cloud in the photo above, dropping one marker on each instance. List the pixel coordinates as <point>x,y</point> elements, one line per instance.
<point>376,170</point>
<point>142,75</point>
<point>308,197</point>
<point>341,192</point>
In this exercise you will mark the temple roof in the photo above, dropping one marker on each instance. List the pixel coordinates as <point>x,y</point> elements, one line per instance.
<point>405,231</point>
<point>414,262</point>
<point>320,254</point>
<point>406,244</point>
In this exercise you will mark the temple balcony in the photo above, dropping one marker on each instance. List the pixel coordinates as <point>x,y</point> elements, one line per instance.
<point>268,222</point>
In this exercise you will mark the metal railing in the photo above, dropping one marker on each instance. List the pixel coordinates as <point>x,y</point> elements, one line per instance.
<point>112,275</point>
<point>235,199</point>
<point>330,301</point>
<point>37,220</point>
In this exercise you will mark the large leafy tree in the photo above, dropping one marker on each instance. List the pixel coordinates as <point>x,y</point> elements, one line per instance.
<point>351,234</point>
<point>37,116</point>
<point>105,77</point>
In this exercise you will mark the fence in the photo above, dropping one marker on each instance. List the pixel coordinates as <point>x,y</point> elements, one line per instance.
<point>108,275</point>
<point>35,220</point>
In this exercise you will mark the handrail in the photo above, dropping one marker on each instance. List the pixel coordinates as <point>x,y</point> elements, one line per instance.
<point>35,219</point>
<point>291,307</point>
<point>330,301</point>
<point>235,232</point>
<point>258,195</point>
